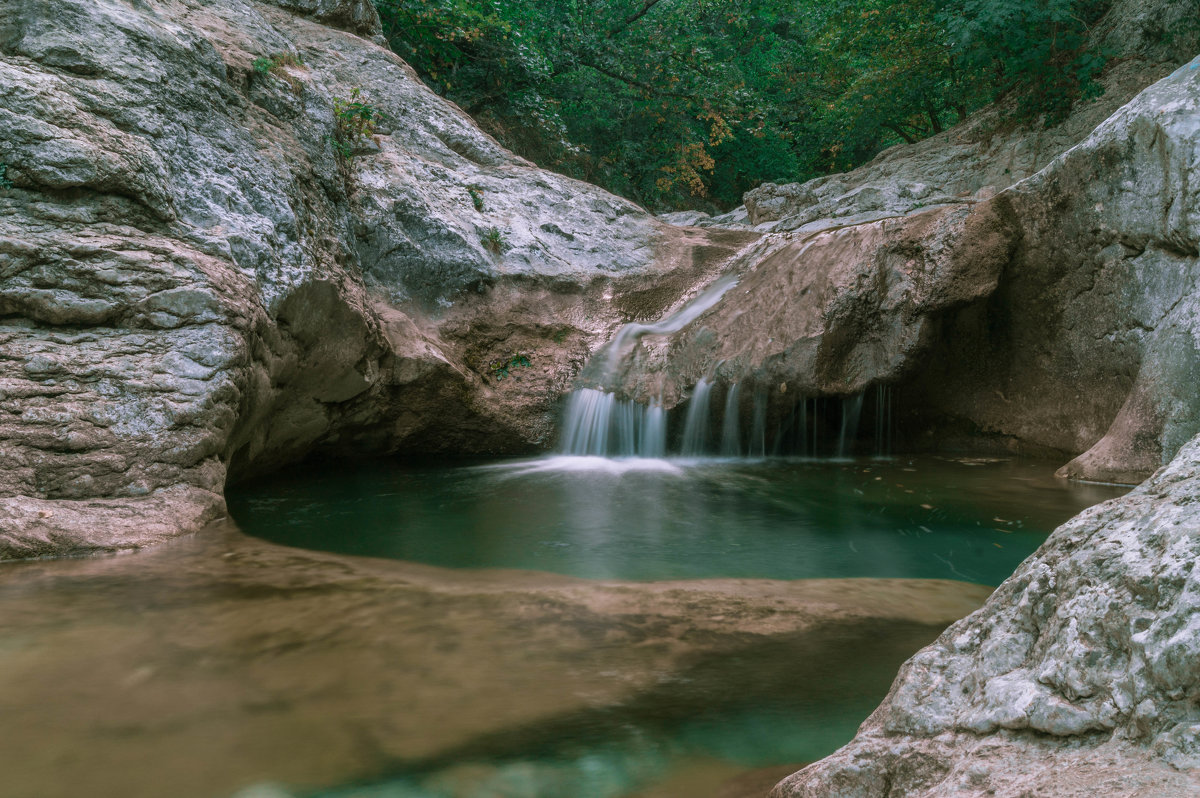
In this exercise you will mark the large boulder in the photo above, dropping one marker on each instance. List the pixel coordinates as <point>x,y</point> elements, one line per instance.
<point>203,277</point>
<point>1079,676</point>
<point>1056,317</point>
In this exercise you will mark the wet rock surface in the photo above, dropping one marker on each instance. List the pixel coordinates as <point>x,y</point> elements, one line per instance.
<point>196,285</point>
<point>834,311</point>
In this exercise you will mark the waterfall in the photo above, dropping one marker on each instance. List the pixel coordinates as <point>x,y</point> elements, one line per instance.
<point>804,427</point>
<point>731,443</point>
<point>816,425</point>
<point>598,424</point>
<point>883,420</point>
<point>695,428</point>
<point>851,410</point>
<point>758,432</point>
<point>653,441</point>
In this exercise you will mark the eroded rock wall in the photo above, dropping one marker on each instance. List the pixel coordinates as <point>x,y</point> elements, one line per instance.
<point>1056,317</point>
<point>195,283</point>
<point>1079,676</point>
<point>1091,343</point>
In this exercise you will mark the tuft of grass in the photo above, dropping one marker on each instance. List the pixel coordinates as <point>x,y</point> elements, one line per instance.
<point>476,193</point>
<point>493,240</point>
<point>274,64</point>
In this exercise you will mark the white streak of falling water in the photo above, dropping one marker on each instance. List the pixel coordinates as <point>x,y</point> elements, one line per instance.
<point>653,441</point>
<point>615,352</point>
<point>731,439</point>
<point>585,430</point>
<point>695,427</point>
<point>597,424</point>
<point>758,432</point>
<point>804,427</point>
<point>883,420</point>
<point>851,410</point>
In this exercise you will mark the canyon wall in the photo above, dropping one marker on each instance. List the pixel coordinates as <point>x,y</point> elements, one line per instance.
<point>204,276</point>
<point>1056,316</point>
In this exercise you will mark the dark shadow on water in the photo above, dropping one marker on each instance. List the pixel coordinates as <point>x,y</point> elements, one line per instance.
<point>780,699</point>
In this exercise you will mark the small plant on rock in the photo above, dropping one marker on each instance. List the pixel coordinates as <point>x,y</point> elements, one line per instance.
<point>476,197</point>
<point>274,65</point>
<point>354,123</point>
<point>4,181</point>
<point>502,368</point>
<point>493,240</point>
<point>355,118</point>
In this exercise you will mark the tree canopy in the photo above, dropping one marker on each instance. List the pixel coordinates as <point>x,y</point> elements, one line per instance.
<point>689,103</point>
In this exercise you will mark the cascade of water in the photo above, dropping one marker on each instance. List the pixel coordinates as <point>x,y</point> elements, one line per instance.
<point>758,432</point>
<point>851,410</point>
<point>598,424</point>
<point>883,420</point>
<point>731,443</point>
<point>585,427</point>
<point>653,440</point>
<point>804,427</point>
<point>613,354</point>
<point>816,425</point>
<point>695,427</point>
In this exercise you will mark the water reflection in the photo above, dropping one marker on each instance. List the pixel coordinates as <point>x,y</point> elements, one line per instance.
<point>648,519</point>
<point>219,663</point>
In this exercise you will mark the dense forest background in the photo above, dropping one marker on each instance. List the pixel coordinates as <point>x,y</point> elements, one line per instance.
<point>689,103</point>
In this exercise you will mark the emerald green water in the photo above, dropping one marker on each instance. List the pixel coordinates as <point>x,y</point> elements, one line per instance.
<point>970,520</point>
<point>770,704</point>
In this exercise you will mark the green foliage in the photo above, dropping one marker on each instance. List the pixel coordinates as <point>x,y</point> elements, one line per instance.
<point>4,181</point>
<point>476,194</point>
<point>493,240</point>
<point>274,65</point>
<point>502,368</point>
<point>1036,49</point>
<point>689,103</point>
<point>354,121</point>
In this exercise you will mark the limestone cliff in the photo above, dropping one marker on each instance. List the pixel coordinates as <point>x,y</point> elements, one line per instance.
<point>196,283</point>
<point>1054,315</point>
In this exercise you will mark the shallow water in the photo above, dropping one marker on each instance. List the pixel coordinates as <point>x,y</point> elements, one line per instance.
<point>222,664</point>
<point>648,519</point>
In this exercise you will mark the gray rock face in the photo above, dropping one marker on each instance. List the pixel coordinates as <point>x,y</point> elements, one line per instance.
<point>1091,343</point>
<point>1088,655</point>
<point>193,282</point>
<point>862,305</point>
<point>1056,317</point>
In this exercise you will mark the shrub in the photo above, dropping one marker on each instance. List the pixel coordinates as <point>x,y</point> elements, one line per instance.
<point>476,197</point>
<point>354,121</point>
